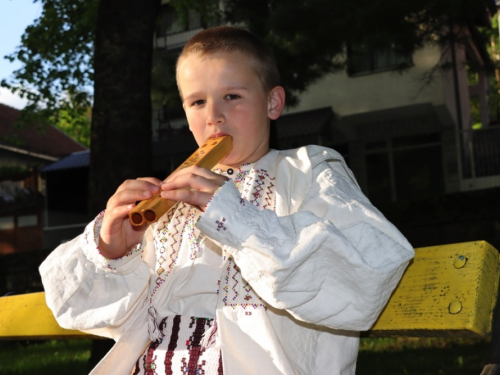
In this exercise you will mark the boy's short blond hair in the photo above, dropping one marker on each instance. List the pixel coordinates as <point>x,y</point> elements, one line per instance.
<point>235,39</point>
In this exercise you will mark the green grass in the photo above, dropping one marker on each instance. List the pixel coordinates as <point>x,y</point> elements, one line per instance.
<point>45,357</point>
<point>385,356</point>
<point>422,356</point>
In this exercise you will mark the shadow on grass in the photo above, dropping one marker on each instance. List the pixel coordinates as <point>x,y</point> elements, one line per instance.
<point>45,357</point>
<point>377,357</point>
<point>453,358</point>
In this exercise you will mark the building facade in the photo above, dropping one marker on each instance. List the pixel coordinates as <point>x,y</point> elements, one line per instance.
<point>424,136</point>
<point>23,154</point>
<point>404,133</point>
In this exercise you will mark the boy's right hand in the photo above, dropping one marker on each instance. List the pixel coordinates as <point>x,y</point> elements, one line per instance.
<point>117,235</point>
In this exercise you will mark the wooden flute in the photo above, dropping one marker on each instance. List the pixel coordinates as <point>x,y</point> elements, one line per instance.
<point>206,156</point>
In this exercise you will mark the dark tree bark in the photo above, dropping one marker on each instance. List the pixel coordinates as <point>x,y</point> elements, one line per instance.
<point>121,119</point>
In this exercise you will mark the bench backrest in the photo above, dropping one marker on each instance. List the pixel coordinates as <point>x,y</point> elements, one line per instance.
<point>448,290</point>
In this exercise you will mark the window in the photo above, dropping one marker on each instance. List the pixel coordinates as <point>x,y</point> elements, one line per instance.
<point>403,168</point>
<point>364,60</point>
<point>27,221</point>
<point>7,222</point>
<point>170,22</point>
<point>342,149</point>
<point>379,177</point>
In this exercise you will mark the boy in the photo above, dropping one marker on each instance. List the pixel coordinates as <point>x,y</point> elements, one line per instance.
<point>270,264</point>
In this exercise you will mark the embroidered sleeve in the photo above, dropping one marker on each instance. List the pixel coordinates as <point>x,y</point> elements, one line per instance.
<point>212,197</point>
<point>228,210</point>
<point>89,243</point>
<point>334,262</point>
<point>86,291</point>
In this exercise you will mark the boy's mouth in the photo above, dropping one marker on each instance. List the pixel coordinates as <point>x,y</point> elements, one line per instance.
<point>216,135</point>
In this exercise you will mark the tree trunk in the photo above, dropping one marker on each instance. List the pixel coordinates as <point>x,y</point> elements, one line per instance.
<point>121,118</point>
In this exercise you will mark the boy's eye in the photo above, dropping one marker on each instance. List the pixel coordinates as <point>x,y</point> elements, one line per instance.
<point>231,96</point>
<point>198,102</point>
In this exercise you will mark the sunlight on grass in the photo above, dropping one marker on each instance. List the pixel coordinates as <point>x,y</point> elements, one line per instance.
<point>45,357</point>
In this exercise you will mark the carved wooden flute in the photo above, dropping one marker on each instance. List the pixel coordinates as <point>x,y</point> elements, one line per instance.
<point>206,156</point>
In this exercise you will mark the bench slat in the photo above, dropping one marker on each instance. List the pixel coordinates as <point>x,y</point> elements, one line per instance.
<point>442,294</point>
<point>27,316</point>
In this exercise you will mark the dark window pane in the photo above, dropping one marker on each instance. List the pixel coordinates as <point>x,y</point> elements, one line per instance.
<point>378,173</point>
<point>175,24</point>
<point>169,22</point>
<point>486,152</point>
<point>416,140</point>
<point>389,58</point>
<point>194,20</point>
<point>418,172</point>
<point>360,60</point>
<point>342,149</point>
<point>364,60</point>
<point>376,146</point>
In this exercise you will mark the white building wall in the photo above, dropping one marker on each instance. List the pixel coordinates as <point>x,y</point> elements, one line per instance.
<point>378,91</point>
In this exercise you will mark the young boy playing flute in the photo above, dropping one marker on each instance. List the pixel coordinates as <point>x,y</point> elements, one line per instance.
<point>271,263</point>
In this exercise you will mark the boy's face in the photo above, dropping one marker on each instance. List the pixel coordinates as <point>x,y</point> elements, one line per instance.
<point>223,95</point>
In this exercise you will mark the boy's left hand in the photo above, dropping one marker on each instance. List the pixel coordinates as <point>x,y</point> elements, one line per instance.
<point>193,185</point>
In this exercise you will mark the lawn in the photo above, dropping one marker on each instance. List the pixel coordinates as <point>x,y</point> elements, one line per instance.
<point>403,356</point>
<point>422,356</point>
<point>64,357</point>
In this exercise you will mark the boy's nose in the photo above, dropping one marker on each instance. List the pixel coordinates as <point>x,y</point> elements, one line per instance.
<point>214,115</point>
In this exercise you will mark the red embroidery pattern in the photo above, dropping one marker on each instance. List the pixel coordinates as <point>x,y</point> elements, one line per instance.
<point>91,236</point>
<point>235,296</point>
<point>241,293</point>
<point>183,349</point>
<point>219,370</point>
<point>149,359</point>
<point>191,365</point>
<point>168,241</point>
<point>193,233</point>
<point>172,344</point>
<point>255,185</point>
<point>161,241</point>
<point>269,197</point>
<point>256,195</point>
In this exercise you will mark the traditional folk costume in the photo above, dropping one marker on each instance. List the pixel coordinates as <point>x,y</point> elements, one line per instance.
<point>278,276</point>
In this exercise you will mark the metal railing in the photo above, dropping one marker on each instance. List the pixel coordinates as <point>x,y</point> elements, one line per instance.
<point>480,158</point>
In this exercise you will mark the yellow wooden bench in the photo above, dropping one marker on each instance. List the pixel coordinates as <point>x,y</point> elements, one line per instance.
<point>446,291</point>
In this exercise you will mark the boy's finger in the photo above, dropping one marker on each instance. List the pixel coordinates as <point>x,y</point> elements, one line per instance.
<point>153,180</point>
<point>147,183</point>
<point>193,177</point>
<point>193,181</point>
<point>196,170</point>
<point>113,219</point>
<point>192,197</point>
<point>128,197</point>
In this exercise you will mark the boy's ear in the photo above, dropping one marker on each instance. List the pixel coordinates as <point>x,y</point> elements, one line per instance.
<point>276,102</point>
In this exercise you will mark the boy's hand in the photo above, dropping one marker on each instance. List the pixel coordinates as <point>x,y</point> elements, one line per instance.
<point>194,185</point>
<point>117,235</point>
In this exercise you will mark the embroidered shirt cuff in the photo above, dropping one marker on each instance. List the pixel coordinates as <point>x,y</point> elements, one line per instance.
<point>231,220</point>
<point>90,246</point>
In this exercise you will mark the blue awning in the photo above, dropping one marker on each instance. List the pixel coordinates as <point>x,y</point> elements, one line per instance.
<point>75,160</point>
